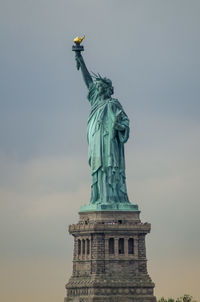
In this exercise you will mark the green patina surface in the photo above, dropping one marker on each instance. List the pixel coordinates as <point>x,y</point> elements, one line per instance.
<point>109,207</point>
<point>107,132</point>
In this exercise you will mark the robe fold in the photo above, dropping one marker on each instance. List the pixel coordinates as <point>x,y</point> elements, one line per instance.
<point>107,131</point>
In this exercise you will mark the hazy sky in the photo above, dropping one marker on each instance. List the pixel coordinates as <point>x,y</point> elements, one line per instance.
<point>150,49</point>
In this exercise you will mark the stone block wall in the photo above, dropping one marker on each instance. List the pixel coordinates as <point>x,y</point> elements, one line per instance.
<point>109,261</point>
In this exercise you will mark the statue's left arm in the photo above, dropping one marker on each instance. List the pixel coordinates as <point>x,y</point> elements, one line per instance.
<point>122,127</point>
<point>119,126</point>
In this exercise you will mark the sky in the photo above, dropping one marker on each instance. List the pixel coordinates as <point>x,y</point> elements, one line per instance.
<point>150,50</point>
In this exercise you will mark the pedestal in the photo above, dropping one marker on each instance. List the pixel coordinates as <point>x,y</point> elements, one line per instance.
<point>109,262</point>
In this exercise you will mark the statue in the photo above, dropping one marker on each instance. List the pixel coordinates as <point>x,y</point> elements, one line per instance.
<point>107,132</point>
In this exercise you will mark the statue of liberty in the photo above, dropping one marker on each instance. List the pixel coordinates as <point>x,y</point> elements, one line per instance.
<point>107,132</point>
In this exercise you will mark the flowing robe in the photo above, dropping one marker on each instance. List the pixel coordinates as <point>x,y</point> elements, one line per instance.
<point>106,149</point>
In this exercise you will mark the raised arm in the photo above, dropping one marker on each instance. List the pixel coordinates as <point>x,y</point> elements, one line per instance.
<point>81,64</point>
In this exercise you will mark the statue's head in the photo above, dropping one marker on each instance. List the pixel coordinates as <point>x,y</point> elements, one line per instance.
<point>103,86</point>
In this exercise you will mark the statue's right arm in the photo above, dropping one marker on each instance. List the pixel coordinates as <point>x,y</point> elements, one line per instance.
<point>81,64</point>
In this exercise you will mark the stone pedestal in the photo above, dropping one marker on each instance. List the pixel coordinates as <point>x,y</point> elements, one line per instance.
<point>109,262</point>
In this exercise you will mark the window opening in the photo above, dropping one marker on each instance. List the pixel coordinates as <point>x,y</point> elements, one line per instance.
<point>88,246</point>
<point>111,246</point>
<point>83,242</point>
<point>121,245</point>
<point>131,246</point>
<point>79,246</point>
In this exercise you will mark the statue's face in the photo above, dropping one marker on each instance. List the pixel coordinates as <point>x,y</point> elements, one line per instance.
<point>100,87</point>
<point>104,89</point>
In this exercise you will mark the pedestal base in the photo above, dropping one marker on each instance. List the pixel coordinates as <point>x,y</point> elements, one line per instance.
<point>109,263</point>
<point>106,292</point>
